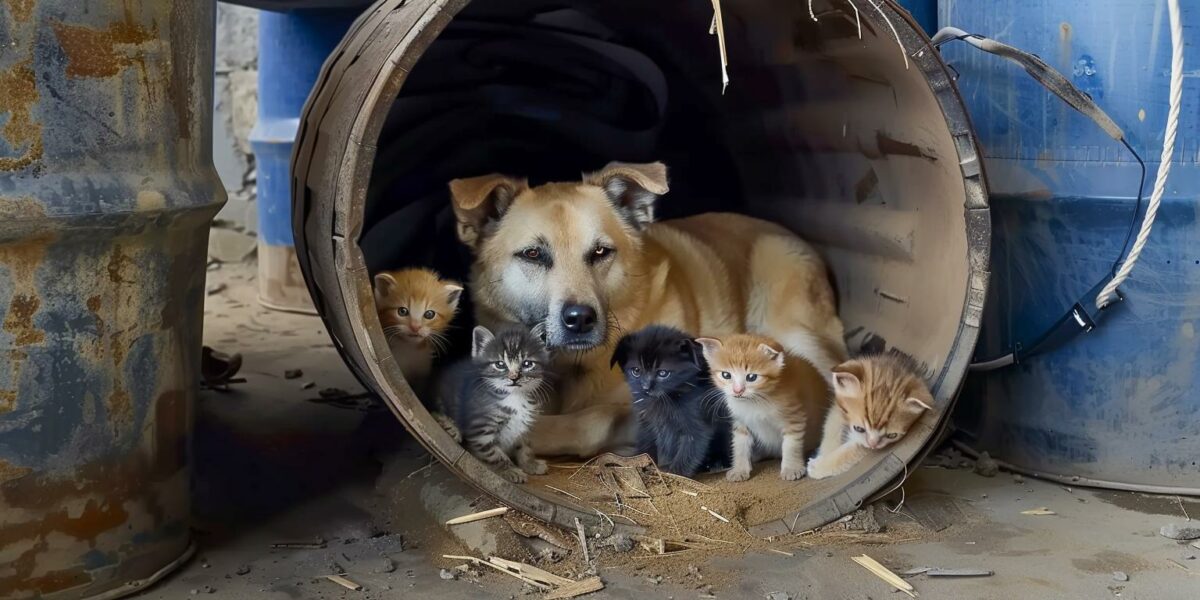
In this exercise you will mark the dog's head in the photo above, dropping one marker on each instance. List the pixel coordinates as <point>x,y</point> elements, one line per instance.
<point>561,254</point>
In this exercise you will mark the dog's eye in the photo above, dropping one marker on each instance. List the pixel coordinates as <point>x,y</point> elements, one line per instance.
<point>752,377</point>
<point>726,375</point>
<point>532,253</point>
<point>860,429</point>
<point>663,374</point>
<point>601,252</point>
<point>429,314</point>
<point>526,365</point>
<point>403,311</point>
<point>892,436</point>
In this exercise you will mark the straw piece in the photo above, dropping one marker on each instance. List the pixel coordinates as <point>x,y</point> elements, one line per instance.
<point>577,588</point>
<point>346,583</point>
<point>487,514</point>
<point>883,573</point>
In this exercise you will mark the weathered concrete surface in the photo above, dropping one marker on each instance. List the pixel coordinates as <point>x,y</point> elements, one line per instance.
<point>323,466</point>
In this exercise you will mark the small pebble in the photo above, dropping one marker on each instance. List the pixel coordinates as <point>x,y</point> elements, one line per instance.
<point>1120,576</point>
<point>242,570</point>
<point>447,575</point>
<point>293,374</point>
<point>985,466</point>
<point>1018,478</point>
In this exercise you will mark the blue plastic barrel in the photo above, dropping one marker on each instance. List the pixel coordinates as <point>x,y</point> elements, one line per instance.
<point>1116,407</point>
<point>292,47</point>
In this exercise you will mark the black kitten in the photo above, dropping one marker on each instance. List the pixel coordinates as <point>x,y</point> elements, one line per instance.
<point>679,423</point>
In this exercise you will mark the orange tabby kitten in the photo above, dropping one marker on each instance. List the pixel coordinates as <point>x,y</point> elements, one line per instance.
<point>770,395</point>
<point>876,400</point>
<point>415,307</point>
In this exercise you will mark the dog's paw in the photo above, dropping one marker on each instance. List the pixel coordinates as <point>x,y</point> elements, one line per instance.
<point>536,466</point>
<point>737,475</point>
<point>514,475</point>
<point>819,469</point>
<point>791,472</point>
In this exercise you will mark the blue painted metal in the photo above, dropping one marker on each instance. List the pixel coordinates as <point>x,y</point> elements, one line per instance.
<point>292,47</point>
<point>107,189</point>
<point>1117,406</point>
<point>924,12</point>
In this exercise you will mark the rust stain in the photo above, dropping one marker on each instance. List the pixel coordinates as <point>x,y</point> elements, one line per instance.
<point>23,208</point>
<point>10,472</point>
<point>8,401</point>
<point>21,10</point>
<point>100,53</point>
<point>117,263</point>
<point>19,320</point>
<point>18,94</point>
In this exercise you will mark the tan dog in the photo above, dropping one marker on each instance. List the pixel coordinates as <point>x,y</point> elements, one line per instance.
<point>586,259</point>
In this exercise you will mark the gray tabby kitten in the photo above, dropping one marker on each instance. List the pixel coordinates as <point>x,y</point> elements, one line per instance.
<point>494,398</point>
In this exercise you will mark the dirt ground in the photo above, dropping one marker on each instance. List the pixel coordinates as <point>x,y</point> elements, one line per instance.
<point>275,464</point>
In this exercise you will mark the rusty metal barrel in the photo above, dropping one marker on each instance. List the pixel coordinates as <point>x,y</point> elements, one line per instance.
<point>106,192</point>
<point>842,124</point>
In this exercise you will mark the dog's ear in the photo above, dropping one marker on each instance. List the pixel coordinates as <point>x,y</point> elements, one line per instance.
<point>620,353</point>
<point>632,188</point>
<point>481,200</point>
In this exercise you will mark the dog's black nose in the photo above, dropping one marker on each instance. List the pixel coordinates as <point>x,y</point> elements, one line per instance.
<point>579,318</point>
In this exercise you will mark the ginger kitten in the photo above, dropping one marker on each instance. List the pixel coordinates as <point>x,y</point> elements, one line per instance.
<point>415,307</point>
<point>876,400</point>
<point>775,400</point>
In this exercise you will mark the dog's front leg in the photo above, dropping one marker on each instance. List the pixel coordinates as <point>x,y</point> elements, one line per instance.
<point>584,433</point>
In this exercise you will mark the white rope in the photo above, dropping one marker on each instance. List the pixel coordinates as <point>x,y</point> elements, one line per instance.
<point>1109,293</point>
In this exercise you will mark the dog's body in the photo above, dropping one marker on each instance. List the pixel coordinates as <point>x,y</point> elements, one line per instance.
<point>587,260</point>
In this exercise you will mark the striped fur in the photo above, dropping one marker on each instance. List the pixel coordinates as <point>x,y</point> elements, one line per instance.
<point>877,399</point>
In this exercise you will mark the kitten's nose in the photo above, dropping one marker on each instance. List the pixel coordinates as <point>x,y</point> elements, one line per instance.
<point>738,390</point>
<point>413,327</point>
<point>579,318</point>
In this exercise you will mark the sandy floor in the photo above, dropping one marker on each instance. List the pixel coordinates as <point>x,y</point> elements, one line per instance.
<point>273,464</point>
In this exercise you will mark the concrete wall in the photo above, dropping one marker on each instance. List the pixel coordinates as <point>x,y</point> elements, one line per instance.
<point>236,107</point>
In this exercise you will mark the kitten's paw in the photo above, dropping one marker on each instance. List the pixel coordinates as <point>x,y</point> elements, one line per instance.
<point>791,473</point>
<point>536,466</point>
<point>514,474</point>
<point>449,426</point>
<point>737,475</point>
<point>819,469</point>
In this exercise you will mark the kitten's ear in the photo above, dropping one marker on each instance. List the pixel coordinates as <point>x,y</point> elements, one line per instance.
<point>710,345</point>
<point>480,338</point>
<point>453,293</point>
<point>632,188</point>
<point>918,405</point>
<point>539,332</point>
<point>620,353</point>
<point>691,351</point>
<point>847,379</point>
<point>774,355</point>
<point>385,284</point>
<point>480,200</point>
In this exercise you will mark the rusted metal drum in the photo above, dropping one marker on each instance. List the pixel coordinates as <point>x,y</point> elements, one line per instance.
<point>846,128</point>
<point>106,191</point>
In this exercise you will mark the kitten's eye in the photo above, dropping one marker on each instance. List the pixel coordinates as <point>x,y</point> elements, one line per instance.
<point>663,374</point>
<point>532,253</point>
<point>636,372</point>
<point>403,311</point>
<point>752,377</point>
<point>526,365</point>
<point>860,429</point>
<point>499,365</point>
<point>726,375</point>
<point>892,436</point>
<point>429,314</point>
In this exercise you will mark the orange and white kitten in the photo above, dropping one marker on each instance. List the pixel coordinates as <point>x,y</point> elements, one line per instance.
<point>876,400</point>
<point>415,307</point>
<point>774,398</point>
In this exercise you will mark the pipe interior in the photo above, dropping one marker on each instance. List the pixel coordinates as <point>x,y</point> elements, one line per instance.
<point>841,139</point>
